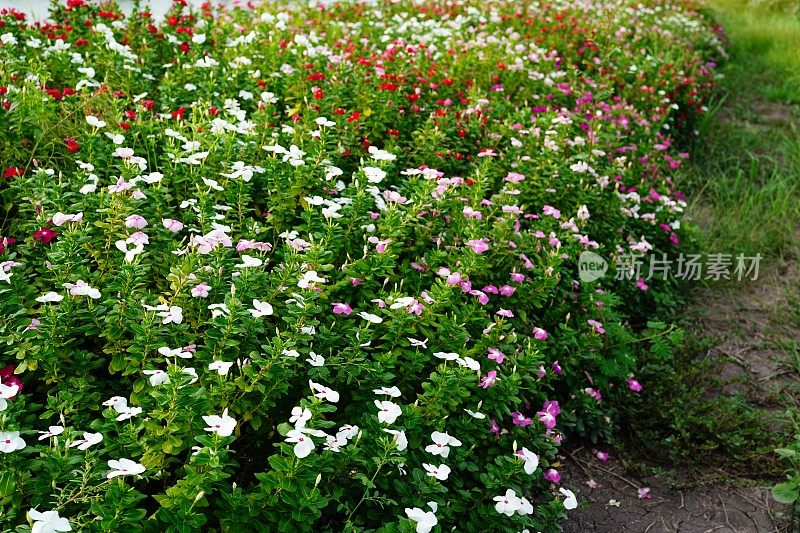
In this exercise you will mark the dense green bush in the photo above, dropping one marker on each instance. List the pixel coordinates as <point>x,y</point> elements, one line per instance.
<point>295,268</point>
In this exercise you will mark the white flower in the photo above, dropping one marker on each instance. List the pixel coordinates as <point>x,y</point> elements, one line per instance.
<point>475,414</point>
<point>260,309</point>
<point>441,444</point>
<point>50,297</point>
<point>571,502</point>
<point>303,445</point>
<point>299,417</point>
<point>59,219</point>
<point>381,155</point>
<point>508,504</point>
<point>425,520</point>
<point>369,317</point>
<point>394,392</point>
<point>88,440</point>
<point>172,315</point>
<point>174,352</point>
<point>373,174</point>
<point>52,431</point>
<point>324,392</point>
<point>81,288</point>
<point>399,437</point>
<point>128,413</point>
<point>309,278</point>
<point>221,425</point>
<point>315,360</point>
<point>388,411</point>
<point>48,522</point>
<point>6,393</point>
<point>249,261</point>
<point>95,122</point>
<point>157,377</point>
<point>124,467</point>
<point>439,472</point>
<point>530,459</point>
<point>447,356</point>
<point>10,441</point>
<point>222,367</point>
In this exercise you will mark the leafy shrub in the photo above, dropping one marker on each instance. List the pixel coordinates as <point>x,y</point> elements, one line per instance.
<point>302,268</point>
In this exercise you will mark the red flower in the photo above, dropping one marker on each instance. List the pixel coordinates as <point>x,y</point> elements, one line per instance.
<point>45,235</point>
<point>355,115</point>
<point>178,113</point>
<point>184,47</point>
<point>8,378</point>
<point>5,241</point>
<point>72,146</point>
<point>10,172</point>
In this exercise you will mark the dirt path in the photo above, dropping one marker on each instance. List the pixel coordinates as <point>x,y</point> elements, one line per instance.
<point>756,332</point>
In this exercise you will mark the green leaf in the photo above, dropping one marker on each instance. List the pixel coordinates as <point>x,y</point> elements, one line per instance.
<point>787,492</point>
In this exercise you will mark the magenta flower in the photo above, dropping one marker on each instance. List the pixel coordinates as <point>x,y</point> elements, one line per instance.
<point>602,456</point>
<point>644,493</point>
<point>520,420</point>
<point>634,385</point>
<point>547,416</point>
<point>642,285</point>
<point>340,308</point>
<point>495,428</point>
<point>507,290</point>
<point>478,245</point>
<point>496,355</point>
<point>557,368</point>
<point>356,281</point>
<point>489,379</point>
<point>552,475</point>
<point>517,277</point>
<point>539,334</point>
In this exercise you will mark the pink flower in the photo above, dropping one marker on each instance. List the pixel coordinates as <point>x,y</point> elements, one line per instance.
<point>594,393</point>
<point>642,285</point>
<point>489,379</point>
<point>478,245</point>
<point>517,277</point>
<point>356,281</point>
<point>551,211</point>
<point>597,326</point>
<point>547,416</point>
<point>201,290</point>
<point>175,226</point>
<point>382,245</point>
<point>514,177</point>
<point>454,278</point>
<point>602,456</point>
<point>552,475</point>
<point>634,385</point>
<point>495,428</point>
<point>496,355</point>
<point>415,308</point>
<point>644,493</point>
<point>557,368</point>
<point>539,334</point>
<point>340,308</point>
<point>506,313</point>
<point>135,221</point>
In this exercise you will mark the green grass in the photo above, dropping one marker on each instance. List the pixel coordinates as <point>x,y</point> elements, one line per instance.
<point>744,179</point>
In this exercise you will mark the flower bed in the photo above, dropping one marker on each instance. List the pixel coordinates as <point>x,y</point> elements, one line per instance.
<point>278,269</point>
